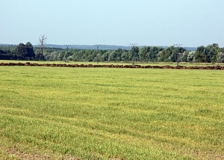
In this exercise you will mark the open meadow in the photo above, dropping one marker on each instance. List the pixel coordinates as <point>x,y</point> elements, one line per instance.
<point>116,63</point>
<point>111,113</point>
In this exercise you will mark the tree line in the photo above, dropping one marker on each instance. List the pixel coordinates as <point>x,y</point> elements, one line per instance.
<point>208,54</point>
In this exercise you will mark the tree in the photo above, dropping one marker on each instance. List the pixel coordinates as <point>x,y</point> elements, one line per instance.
<point>144,53</point>
<point>134,53</point>
<point>112,56</point>
<point>154,52</point>
<point>200,54</point>
<point>119,53</point>
<point>90,55</point>
<point>211,52</point>
<point>220,57</point>
<point>124,55</point>
<point>190,56</point>
<point>207,54</point>
<point>78,55</point>
<point>97,54</point>
<point>115,55</point>
<point>42,41</point>
<point>66,54</point>
<point>165,55</point>
<point>184,57</point>
<point>21,51</point>
<point>6,54</point>
<point>30,52</point>
<point>177,53</point>
<point>104,56</point>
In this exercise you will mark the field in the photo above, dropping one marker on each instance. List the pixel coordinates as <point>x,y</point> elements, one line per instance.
<point>116,63</point>
<point>110,113</point>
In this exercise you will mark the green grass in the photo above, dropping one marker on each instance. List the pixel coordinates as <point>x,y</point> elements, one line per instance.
<point>118,63</point>
<point>102,113</point>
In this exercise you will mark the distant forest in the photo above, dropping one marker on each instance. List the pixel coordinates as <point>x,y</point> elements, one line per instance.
<point>210,54</point>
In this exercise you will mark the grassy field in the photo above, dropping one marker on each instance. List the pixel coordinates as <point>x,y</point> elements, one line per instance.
<point>103,113</point>
<point>118,63</point>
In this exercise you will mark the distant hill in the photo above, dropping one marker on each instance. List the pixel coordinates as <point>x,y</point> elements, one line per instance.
<point>91,47</point>
<point>8,45</point>
<point>103,47</point>
<point>190,48</point>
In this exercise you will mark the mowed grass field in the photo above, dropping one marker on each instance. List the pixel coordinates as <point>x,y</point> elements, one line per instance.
<point>116,63</point>
<point>104,113</point>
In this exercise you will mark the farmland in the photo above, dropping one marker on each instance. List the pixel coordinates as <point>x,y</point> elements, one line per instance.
<point>105,113</point>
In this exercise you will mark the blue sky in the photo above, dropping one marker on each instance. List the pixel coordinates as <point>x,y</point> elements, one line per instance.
<point>114,22</point>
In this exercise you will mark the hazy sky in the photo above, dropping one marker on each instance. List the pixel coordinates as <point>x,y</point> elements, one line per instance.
<point>113,22</point>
